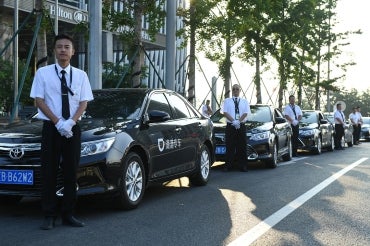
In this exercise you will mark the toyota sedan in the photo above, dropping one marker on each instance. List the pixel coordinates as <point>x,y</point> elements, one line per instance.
<point>131,138</point>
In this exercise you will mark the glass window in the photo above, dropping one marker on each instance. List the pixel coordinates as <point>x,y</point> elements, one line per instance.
<point>181,110</point>
<point>159,102</point>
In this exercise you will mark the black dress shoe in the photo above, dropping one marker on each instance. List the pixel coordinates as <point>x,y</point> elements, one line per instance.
<point>48,224</point>
<point>72,221</point>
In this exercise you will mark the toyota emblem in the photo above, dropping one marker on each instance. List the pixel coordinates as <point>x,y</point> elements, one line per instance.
<point>16,153</point>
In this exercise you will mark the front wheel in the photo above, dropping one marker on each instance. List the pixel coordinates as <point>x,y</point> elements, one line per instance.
<point>332,143</point>
<point>318,146</point>
<point>132,184</point>
<point>272,163</point>
<point>288,156</point>
<point>201,175</point>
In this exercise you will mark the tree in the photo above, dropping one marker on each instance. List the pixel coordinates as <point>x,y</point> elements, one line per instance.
<point>126,20</point>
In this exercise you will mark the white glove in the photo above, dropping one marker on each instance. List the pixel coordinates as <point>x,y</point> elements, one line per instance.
<point>236,124</point>
<point>295,122</point>
<point>67,125</point>
<point>59,126</point>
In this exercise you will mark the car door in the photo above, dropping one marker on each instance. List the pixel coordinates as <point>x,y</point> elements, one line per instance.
<point>324,129</point>
<point>188,131</point>
<point>281,129</point>
<point>165,144</point>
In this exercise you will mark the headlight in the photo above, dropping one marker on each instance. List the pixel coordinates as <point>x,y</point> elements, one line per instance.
<point>96,147</point>
<point>260,136</point>
<point>307,132</point>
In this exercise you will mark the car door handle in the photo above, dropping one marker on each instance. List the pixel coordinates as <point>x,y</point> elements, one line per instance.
<point>178,130</point>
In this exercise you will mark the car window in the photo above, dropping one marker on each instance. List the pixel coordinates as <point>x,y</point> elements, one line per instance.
<point>366,120</point>
<point>181,110</point>
<point>121,105</point>
<point>159,102</point>
<point>309,117</point>
<point>260,114</point>
<point>278,113</point>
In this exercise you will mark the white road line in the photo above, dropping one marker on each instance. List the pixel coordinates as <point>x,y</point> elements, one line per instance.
<point>292,161</point>
<point>260,229</point>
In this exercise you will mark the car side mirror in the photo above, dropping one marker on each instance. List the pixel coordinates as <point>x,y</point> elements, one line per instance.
<point>157,116</point>
<point>323,121</point>
<point>280,120</point>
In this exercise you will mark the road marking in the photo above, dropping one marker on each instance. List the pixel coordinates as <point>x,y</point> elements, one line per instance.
<point>292,161</point>
<point>257,231</point>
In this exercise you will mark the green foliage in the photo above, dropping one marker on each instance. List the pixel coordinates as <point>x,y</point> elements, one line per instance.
<point>7,84</point>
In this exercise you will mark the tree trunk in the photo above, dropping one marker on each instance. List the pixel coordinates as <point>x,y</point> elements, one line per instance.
<point>191,75</point>
<point>226,69</point>
<point>137,60</point>
<point>42,54</point>
<point>257,81</point>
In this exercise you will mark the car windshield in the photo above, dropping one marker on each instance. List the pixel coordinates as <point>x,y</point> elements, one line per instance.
<point>309,117</point>
<point>120,104</point>
<point>259,114</point>
<point>366,120</point>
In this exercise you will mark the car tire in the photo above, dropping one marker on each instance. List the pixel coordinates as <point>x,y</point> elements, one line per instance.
<point>9,200</point>
<point>288,156</point>
<point>318,146</point>
<point>203,167</point>
<point>272,163</point>
<point>350,143</point>
<point>132,184</point>
<point>332,144</point>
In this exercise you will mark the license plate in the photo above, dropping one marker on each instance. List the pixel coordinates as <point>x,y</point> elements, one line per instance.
<point>20,177</point>
<point>220,150</point>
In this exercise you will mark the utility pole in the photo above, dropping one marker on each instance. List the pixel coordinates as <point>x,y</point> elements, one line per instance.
<point>95,45</point>
<point>170,45</point>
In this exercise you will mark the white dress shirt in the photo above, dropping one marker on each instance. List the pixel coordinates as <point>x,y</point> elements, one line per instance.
<point>47,85</point>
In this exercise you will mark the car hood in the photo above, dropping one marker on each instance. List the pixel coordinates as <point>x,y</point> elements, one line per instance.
<point>252,126</point>
<point>308,126</point>
<point>91,129</point>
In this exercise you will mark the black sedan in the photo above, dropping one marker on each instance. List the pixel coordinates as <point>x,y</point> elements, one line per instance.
<point>348,130</point>
<point>268,135</point>
<point>315,132</point>
<point>365,129</point>
<point>131,138</point>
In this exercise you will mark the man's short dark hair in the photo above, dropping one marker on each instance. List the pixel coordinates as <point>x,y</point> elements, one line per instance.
<point>291,96</point>
<point>63,36</point>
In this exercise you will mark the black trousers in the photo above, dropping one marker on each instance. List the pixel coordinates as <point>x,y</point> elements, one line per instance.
<point>236,145</point>
<point>59,152</point>
<point>339,133</point>
<point>356,133</point>
<point>295,140</point>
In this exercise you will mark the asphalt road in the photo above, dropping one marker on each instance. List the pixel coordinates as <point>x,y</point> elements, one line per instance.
<point>311,200</point>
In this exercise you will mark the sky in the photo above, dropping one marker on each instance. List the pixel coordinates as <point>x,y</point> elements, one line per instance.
<point>351,15</point>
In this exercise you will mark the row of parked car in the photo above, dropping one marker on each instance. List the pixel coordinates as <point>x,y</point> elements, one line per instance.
<point>269,134</point>
<point>132,138</point>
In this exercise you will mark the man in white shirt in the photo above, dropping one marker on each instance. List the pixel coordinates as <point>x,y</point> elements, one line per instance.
<point>61,93</point>
<point>340,122</point>
<point>206,109</point>
<point>293,114</point>
<point>236,110</point>
<point>354,118</point>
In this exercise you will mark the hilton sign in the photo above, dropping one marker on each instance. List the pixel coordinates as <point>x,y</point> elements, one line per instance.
<point>67,14</point>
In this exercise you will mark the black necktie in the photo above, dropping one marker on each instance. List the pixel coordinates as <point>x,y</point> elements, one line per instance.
<point>236,102</point>
<point>293,108</point>
<point>65,101</point>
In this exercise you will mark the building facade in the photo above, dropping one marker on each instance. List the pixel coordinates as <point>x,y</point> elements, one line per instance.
<point>69,14</point>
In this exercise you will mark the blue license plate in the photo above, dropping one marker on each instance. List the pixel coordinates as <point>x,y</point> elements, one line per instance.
<point>19,177</point>
<point>220,150</point>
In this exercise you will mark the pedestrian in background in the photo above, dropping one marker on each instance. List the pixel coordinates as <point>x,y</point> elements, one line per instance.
<point>340,123</point>
<point>61,93</point>
<point>236,110</point>
<point>360,122</point>
<point>206,109</point>
<point>293,114</point>
<point>354,119</point>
